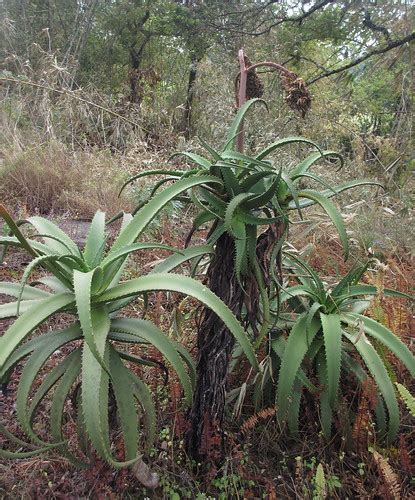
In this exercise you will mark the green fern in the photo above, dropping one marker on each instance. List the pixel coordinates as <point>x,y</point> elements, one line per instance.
<point>407,397</point>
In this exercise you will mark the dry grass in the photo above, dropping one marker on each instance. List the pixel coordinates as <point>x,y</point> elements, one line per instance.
<point>51,179</point>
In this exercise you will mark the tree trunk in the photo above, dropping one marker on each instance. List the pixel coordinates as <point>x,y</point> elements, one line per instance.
<point>215,343</point>
<point>187,118</point>
<point>205,439</point>
<point>136,57</point>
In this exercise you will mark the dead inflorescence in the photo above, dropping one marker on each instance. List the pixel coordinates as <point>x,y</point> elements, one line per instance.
<point>254,86</point>
<point>297,96</point>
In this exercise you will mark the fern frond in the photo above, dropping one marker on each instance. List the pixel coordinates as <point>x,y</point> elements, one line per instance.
<point>253,421</point>
<point>392,487</point>
<point>407,397</point>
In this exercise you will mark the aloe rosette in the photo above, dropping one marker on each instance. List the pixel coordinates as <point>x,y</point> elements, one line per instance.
<point>87,285</point>
<point>331,338</point>
<point>248,213</point>
<point>253,191</point>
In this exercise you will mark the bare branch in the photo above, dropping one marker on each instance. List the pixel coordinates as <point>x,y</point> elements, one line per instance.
<point>364,57</point>
<point>375,27</point>
<point>297,19</point>
<point>72,95</point>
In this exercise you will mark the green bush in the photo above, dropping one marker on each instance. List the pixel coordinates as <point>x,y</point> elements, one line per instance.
<point>86,284</point>
<point>329,338</point>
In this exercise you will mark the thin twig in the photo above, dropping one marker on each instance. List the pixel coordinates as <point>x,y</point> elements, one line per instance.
<point>355,62</point>
<point>71,94</point>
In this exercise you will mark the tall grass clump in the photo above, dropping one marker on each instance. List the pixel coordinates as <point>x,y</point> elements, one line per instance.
<point>51,178</point>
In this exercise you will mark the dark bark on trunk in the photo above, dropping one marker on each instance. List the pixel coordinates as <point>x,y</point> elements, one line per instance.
<point>136,56</point>
<point>136,89</point>
<point>205,439</point>
<point>215,343</point>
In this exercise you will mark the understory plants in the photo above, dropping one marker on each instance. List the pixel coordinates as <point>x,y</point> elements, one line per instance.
<point>309,337</point>
<point>323,344</point>
<point>248,215</point>
<point>95,365</point>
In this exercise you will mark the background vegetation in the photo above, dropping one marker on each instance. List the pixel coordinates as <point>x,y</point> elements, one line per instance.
<point>94,91</point>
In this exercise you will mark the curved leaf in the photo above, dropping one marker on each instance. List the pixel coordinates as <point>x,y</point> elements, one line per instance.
<point>54,284</point>
<point>175,260</point>
<point>188,286</point>
<point>23,242</point>
<point>58,403</point>
<point>248,161</point>
<point>95,321</point>
<point>232,207</point>
<point>142,218</point>
<point>199,160</point>
<point>122,386</point>
<point>28,321</point>
<point>59,241</point>
<point>29,373</point>
<point>328,193</point>
<point>385,336</point>
<point>332,212</point>
<point>230,181</point>
<point>160,171</point>
<point>95,241</point>
<point>265,197</point>
<point>135,248</point>
<point>29,292</point>
<point>332,344</point>
<point>143,395</point>
<point>283,142</point>
<point>326,408</point>
<point>147,330</point>
<point>300,169</point>
<point>215,155</point>
<point>296,348</point>
<point>236,124</point>
<point>381,377</point>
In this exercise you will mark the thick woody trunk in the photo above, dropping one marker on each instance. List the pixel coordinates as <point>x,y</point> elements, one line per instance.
<point>215,343</point>
<point>205,439</point>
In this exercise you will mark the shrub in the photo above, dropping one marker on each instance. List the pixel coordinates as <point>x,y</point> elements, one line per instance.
<point>329,338</point>
<point>86,285</point>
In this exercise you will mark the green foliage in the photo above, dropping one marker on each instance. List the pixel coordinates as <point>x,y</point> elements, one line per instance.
<point>407,397</point>
<point>85,284</point>
<point>327,328</point>
<point>252,192</point>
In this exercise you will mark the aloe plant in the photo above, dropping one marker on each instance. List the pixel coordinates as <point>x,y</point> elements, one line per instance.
<point>331,339</point>
<point>86,284</point>
<point>251,194</point>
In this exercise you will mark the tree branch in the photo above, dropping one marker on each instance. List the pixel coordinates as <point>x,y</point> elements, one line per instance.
<point>297,19</point>
<point>382,50</point>
<point>375,27</point>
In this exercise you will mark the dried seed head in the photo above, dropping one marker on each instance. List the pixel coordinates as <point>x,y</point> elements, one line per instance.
<point>254,86</point>
<point>297,95</point>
